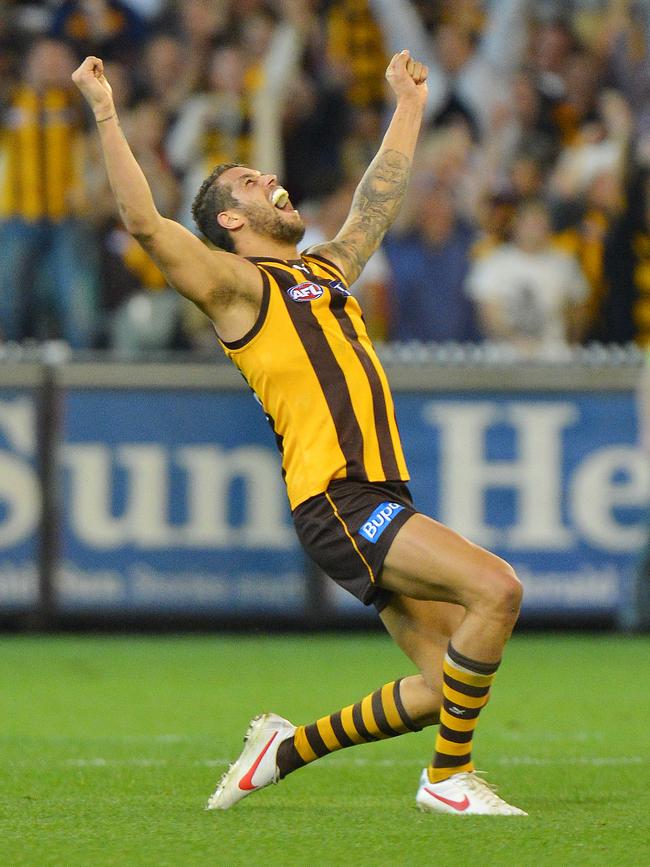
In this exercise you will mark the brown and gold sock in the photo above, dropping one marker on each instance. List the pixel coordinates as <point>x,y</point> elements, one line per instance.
<point>377,716</point>
<point>465,688</point>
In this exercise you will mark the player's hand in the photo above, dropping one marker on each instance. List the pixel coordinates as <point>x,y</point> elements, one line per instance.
<point>92,82</point>
<point>408,77</point>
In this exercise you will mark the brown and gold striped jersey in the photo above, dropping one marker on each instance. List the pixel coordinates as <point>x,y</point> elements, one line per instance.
<point>40,155</point>
<point>355,39</point>
<point>311,364</point>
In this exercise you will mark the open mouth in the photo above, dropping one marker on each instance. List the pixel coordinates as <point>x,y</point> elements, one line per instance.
<point>280,199</point>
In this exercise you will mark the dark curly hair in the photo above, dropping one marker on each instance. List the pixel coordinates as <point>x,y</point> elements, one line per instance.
<point>211,199</point>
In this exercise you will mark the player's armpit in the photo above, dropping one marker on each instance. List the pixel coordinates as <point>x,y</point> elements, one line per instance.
<point>212,279</point>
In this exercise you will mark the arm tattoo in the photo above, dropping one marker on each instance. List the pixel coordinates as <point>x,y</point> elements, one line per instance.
<point>375,206</point>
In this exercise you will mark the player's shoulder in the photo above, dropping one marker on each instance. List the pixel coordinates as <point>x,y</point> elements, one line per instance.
<point>242,266</point>
<point>324,256</point>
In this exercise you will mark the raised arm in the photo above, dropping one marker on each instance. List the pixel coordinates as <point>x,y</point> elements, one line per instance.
<point>204,276</point>
<point>401,24</point>
<point>379,196</point>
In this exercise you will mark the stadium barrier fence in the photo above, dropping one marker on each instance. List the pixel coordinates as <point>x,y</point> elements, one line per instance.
<point>151,490</point>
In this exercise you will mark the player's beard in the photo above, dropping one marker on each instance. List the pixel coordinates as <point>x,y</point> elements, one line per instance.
<point>270,224</point>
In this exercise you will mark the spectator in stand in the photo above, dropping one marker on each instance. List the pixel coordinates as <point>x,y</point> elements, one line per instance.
<point>317,122</point>
<point>495,215</point>
<point>582,227</point>
<point>356,46</point>
<point>527,177</point>
<point>358,148</point>
<point>577,107</point>
<point>587,192</point>
<point>9,51</point>
<point>318,112</point>
<point>517,109</point>
<point>279,68</point>
<point>551,42</point>
<point>521,128</point>
<point>242,115</point>
<point>48,266</point>
<point>167,75</point>
<point>626,305</point>
<point>429,263</point>
<point>468,75</point>
<point>529,294</point>
<point>214,125</point>
<point>109,28</point>
<point>624,42</point>
<point>201,25</point>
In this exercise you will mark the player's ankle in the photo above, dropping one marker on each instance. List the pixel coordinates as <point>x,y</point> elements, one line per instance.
<point>288,759</point>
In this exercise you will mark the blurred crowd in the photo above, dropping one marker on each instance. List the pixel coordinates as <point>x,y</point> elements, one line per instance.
<point>528,217</point>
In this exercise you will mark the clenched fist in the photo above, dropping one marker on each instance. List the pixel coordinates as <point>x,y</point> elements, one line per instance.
<point>90,79</point>
<point>408,77</point>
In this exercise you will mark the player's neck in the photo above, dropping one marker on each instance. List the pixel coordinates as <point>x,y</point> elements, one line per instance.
<point>266,247</point>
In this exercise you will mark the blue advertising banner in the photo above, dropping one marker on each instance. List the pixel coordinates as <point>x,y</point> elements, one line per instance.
<point>174,503</point>
<point>20,509</point>
<point>554,483</point>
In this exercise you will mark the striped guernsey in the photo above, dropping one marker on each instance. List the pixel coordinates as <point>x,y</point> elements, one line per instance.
<point>309,360</point>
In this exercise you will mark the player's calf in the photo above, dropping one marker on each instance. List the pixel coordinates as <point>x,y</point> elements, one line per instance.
<point>422,695</point>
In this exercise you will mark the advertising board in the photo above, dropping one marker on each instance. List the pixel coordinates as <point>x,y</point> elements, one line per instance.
<point>174,503</point>
<point>170,499</point>
<point>20,501</point>
<point>555,483</point>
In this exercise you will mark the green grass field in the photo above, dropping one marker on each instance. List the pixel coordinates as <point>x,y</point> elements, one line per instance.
<point>109,748</point>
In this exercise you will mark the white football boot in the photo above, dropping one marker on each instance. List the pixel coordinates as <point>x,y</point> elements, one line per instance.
<point>256,766</point>
<point>464,794</point>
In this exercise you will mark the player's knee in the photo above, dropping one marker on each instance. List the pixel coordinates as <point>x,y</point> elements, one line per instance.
<point>501,590</point>
<point>508,591</point>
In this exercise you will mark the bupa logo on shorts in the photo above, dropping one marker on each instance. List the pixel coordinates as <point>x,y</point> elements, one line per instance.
<point>379,520</point>
<point>305,292</point>
<point>339,287</point>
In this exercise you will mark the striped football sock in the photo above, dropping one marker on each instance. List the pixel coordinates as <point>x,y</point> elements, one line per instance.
<point>465,688</point>
<point>377,716</point>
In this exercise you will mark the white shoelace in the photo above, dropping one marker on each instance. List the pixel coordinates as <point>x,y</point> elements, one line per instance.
<point>486,792</point>
<point>483,790</point>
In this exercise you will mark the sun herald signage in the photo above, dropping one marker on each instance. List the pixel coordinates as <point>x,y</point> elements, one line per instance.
<point>174,500</point>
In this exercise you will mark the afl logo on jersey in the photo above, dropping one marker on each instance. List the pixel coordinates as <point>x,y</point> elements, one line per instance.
<point>305,292</point>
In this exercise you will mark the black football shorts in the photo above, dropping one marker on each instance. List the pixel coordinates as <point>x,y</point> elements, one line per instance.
<point>348,530</point>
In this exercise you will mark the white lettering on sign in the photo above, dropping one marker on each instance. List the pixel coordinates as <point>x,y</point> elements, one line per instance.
<point>606,480</point>
<point>611,478</point>
<point>536,474</point>
<point>124,494</point>
<point>143,519</point>
<point>20,502</point>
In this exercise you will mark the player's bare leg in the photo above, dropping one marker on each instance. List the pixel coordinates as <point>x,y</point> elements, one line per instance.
<point>274,747</point>
<point>422,627</point>
<point>429,562</point>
